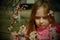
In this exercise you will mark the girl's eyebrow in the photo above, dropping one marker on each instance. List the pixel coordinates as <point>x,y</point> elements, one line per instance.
<point>42,16</point>
<point>37,17</point>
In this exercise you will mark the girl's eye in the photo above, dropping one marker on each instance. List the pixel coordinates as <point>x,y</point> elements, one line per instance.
<point>37,17</point>
<point>45,17</point>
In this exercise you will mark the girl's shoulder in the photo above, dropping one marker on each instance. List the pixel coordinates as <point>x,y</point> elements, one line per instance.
<point>57,28</point>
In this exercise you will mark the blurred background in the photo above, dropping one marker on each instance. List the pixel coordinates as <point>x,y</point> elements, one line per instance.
<point>8,8</point>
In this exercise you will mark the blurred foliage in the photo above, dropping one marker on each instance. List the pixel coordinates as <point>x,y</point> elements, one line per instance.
<point>6,9</point>
<point>9,3</point>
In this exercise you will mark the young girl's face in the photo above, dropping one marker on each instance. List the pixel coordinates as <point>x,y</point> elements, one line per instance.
<point>41,17</point>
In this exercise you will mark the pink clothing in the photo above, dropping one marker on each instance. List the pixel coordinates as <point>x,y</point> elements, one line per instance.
<point>44,34</point>
<point>57,27</point>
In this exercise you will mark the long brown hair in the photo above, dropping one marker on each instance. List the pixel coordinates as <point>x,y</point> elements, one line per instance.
<point>39,3</point>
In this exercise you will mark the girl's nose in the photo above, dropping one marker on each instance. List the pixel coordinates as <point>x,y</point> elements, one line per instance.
<point>41,20</point>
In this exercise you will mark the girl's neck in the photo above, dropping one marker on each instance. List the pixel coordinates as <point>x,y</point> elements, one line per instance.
<point>43,28</point>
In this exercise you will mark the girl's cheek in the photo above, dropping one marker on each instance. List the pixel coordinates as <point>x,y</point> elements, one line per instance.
<point>37,21</point>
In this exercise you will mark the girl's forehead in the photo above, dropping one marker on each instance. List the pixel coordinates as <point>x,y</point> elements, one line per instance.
<point>42,12</point>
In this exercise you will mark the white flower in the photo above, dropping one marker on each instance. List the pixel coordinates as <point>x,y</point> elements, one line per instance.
<point>50,13</point>
<point>22,29</point>
<point>33,35</point>
<point>10,28</point>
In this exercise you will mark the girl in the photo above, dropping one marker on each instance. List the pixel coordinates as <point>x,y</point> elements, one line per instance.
<point>42,24</point>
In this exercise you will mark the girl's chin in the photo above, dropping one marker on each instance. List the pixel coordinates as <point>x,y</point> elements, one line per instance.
<point>42,26</point>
